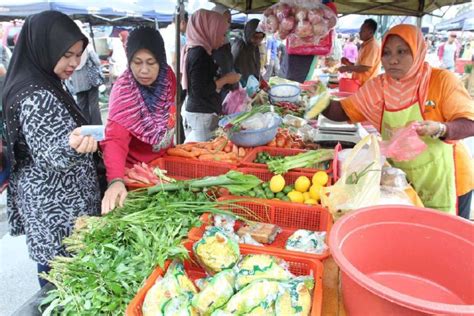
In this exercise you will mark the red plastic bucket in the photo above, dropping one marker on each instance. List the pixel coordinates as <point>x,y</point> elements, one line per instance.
<point>348,85</point>
<point>402,260</point>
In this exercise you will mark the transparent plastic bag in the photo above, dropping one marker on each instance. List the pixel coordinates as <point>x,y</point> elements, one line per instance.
<point>252,86</point>
<point>404,145</point>
<point>359,184</point>
<point>393,178</point>
<point>235,101</point>
<point>306,24</point>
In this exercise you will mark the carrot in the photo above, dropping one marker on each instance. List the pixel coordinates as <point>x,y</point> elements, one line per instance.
<point>187,147</point>
<point>272,143</point>
<point>181,153</point>
<point>200,151</point>
<point>235,150</point>
<point>228,148</point>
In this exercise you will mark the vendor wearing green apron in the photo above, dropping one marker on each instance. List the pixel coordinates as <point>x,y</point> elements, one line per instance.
<point>409,91</point>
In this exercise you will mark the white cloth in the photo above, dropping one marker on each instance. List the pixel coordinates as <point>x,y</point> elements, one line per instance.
<point>118,60</point>
<point>169,37</point>
<point>198,127</point>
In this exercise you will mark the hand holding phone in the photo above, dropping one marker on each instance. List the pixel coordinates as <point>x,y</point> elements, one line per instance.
<point>96,131</point>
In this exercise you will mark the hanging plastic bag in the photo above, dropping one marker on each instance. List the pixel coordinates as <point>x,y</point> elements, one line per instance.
<point>306,24</point>
<point>252,86</point>
<point>235,101</point>
<point>359,184</point>
<point>404,145</point>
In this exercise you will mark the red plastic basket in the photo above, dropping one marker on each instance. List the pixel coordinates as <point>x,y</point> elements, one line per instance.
<point>182,169</point>
<point>248,160</point>
<point>287,215</point>
<point>297,266</point>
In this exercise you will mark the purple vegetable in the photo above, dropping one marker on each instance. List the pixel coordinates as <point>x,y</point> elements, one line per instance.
<point>301,14</point>
<point>304,29</point>
<point>314,16</point>
<point>282,11</point>
<point>288,23</point>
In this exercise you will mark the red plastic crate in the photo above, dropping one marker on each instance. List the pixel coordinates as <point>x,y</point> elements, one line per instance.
<point>247,161</point>
<point>183,169</point>
<point>287,215</point>
<point>297,266</point>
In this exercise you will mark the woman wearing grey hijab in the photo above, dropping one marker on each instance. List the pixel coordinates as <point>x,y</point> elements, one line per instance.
<point>246,53</point>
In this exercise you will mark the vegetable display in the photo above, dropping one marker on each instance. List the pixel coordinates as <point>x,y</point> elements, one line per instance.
<point>303,160</point>
<point>114,254</point>
<point>304,190</point>
<point>234,181</point>
<point>220,149</point>
<point>144,174</point>
<point>284,139</point>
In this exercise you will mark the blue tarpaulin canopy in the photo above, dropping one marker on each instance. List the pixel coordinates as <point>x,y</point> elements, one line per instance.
<point>117,10</point>
<point>463,21</point>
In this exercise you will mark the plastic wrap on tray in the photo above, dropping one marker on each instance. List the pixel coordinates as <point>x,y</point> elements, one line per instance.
<point>216,251</point>
<point>174,284</point>
<point>294,298</point>
<point>261,232</point>
<point>258,267</point>
<point>253,295</point>
<point>216,292</point>
<point>307,241</point>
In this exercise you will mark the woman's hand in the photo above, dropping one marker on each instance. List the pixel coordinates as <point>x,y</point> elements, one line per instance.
<point>82,144</point>
<point>114,196</point>
<point>430,128</point>
<point>232,77</point>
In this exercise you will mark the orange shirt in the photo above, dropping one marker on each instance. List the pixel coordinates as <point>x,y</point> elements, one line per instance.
<point>370,56</point>
<point>447,101</point>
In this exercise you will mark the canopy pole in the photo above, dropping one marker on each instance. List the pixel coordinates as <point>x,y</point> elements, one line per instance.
<point>92,34</point>
<point>179,126</point>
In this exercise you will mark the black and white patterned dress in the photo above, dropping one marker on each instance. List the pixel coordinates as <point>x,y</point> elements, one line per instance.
<point>54,184</point>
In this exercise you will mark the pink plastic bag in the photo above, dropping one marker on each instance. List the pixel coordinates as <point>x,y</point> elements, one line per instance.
<point>235,101</point>
<point>404,145</point>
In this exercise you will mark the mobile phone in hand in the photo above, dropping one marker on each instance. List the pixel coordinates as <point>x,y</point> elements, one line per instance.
<point>96,131</point>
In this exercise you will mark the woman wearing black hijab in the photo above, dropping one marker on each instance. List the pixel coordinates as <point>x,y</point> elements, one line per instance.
<point>53,176</point>
<point>141,121</point>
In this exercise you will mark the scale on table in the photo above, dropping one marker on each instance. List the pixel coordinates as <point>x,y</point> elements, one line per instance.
<point>329,133</point>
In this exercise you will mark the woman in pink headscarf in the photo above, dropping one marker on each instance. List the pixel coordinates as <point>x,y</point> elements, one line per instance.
<point>205,32</point>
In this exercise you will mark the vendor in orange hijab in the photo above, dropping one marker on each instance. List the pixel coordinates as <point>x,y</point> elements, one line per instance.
<point>411,90</point>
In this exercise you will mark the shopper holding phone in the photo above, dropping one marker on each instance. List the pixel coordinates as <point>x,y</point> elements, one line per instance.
<point>53,176</point>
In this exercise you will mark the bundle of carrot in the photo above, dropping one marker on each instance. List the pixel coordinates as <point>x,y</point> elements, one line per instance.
<point>220,149</point>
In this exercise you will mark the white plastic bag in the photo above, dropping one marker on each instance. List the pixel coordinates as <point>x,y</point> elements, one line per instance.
<point>359,184</point>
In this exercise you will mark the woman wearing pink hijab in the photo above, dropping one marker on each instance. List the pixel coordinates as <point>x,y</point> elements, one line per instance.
<point>205,32</point>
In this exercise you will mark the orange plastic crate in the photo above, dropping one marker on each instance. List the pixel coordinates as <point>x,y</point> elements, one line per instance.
<point>287,215</point>
<point>248,160</point>
<point>183,169</point>
<point>297,266</point>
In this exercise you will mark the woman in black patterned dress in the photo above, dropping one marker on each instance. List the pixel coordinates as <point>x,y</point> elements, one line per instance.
<point>53,178</point>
